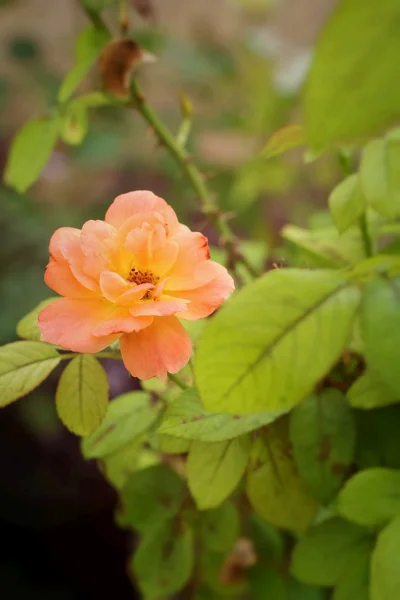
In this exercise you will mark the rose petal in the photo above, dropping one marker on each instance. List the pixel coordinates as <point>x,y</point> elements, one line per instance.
<point>162,348</point>
<point>113,285</point>
<point>59,277</point>
<point>206,299</point>
<point>70,323</point>
<point>190,269</point>
<point>134,203</point>
<point>163,306</point>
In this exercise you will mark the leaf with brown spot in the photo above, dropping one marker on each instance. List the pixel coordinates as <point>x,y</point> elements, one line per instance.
<point>323,436</point>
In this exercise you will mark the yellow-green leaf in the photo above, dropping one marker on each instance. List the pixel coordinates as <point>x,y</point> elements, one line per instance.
<point>23,366</point>
<point>82,395</point>
<point>274,486</point>
<point>27,327</point>
<point>30,151</point>
<point>214,469</point>
<point>274,340</point>
<point>286,138</point>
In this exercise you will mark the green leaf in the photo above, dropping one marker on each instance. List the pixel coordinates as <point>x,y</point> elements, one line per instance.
<point>118,467</point>
<point>346,79</point>
<point>255,353</point>
<point>186,418</point>
<point>214,469</point>
<point>30,151</point>
<point>266,584</point>
<point>164,560</point>
<point>97,5</point>
<point>274,487</point>
<point>220,527</point>
<point>380,321</point>
<point>378,442</point>
<point>300,591</point>
<point>88,46</point>
<point>23,366</point>
<point>286,138</point>
<point>319,249</point>
<point>385,572</point>
<point>168,444</point>
<point>380,176</point>
<point>74,124</point>
<point>82,395</point>
<point>347,203</point>
<point>353,584</point>
<point>128,416</point>
<point>371,497</point>
<point>368,392</point>
<point>322,554</point>
<point>323,435</point>
<point>152,496</point>
<point>27,327</point>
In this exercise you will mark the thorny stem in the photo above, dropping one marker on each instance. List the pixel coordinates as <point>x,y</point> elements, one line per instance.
<point>208,207</point>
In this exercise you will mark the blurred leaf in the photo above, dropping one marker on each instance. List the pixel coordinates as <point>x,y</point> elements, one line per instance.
<point>185,417</point>
<point>214,469</point>
<point>128,416</point>
<point>87,48</point>
<point>30,151</point>
<point>385,572</point>
<point>325,247</point>
<point>368,392</point>
<point>300,591</point>
<point>380,321</point>
<point>75,124</point>
<point>27,327</point>
<point>23,366</point>
<point>152,496</point>
<point>266,584</point>
<point>368,42</point>
<point>371,497</point>
<point>163,562</point>
<point>169,444</point>
<point>255,251</point>
<point>353,584</point>
<point>322,554</point>
<point>220,527</point>
<point>323,433</point>
<point>347,203</point>
<point>274,487</point>
<point>92,100</point>
<point>268,539</point>
<point>97,5</point>
<point>380,176</point>
<point>118,467</point>
<point>82,395</point>
<point>290,136</point>
<point>378,442</point>
<point>242,357</point>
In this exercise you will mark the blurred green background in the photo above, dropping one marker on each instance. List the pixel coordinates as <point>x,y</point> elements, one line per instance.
<point>242,64</point>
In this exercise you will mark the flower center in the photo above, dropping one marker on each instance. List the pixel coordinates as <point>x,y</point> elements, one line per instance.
<point>139,277</point>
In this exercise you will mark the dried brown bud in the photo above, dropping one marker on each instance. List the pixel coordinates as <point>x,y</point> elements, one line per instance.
<point>243,556</point>
<point>144,8</point>
<point>116,63</point>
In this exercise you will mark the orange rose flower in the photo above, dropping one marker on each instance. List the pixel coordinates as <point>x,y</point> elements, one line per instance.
<point>132,277</point>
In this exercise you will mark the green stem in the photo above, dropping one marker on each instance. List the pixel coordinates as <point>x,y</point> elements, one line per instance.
<point>208,207</point>
<point>178,381</point>
<point>345,160</point>
<point>366,238</point>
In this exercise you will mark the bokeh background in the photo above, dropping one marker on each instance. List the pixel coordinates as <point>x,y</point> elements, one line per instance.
<point>242,64</point>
